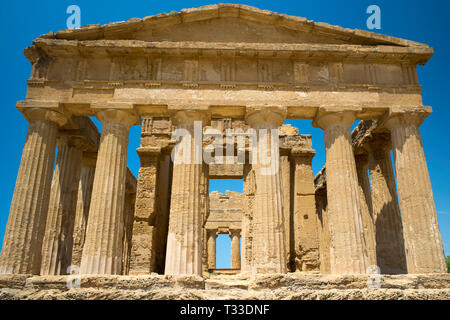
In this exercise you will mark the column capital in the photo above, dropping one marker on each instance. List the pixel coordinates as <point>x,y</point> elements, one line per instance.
<point>325,119</point>
<point>125,117</point>
<point>180,117</point>
<point>72,140</point>
<point>378,142</point>
<point>265,117</point>
<point>149,151</point>
<point>234,232</point>
<point>212,232</point>
<point>35,114</point>
<point>297,152</point>
<point>400,117</point>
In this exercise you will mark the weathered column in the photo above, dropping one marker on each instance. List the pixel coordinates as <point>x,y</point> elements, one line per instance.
<point>285,167</point>
<point>102,252</point>
<point>390,248</point>
<point>58,241</point>
<point>423,243</point>
<point>82,208</point>
<point>305,219</point>
<point>269,245</point>
<point>21,251</point>
<point>247,218</point>
<point>211,245</point>
<point>347,248</point>
<point>235,236</point>
<point>143,251</point>
<point>184,241</point>
<point>128,219</point>
<point>366,208</point>
<point>323,228</point>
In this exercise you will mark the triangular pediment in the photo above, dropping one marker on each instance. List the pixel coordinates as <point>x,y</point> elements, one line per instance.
<point>229,23</point>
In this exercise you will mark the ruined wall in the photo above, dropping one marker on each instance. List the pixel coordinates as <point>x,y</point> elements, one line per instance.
<point>225,211</point>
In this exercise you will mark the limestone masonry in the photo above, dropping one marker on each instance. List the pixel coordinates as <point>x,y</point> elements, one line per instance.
<point>232,67</point>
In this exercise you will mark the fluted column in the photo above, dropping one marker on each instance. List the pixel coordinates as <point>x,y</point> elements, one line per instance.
<point>324,231</point>
<point>184,241</point>
<point>128,218</point>
<point>268,244</point>
<point>247,218</point>
<point>390,246</point>
<point>423,243</point>
<point>347,248</point>
<point>285,167</point>
<point>235,236</point>
<point>21,251</point>
<point>82,208</point>
<point>58,241</point>
<point>102,252</point>
<point>211,245</point>
<point>366,208</point>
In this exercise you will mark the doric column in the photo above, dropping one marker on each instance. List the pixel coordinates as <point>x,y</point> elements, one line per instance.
<point>235,236</point>
<point>285,167</point>
<point>305,219</point>
<point>143,249</point>
<point>58,241</point>
<point>324,231</point>
<point>211,245</point>
<point>128,219</point>
<point>82,208</point>
<point>390,248</point>
<point>247,218</point>
<point>102,252</point>
<point>423,243</point>
<point>21,251</point>
<point>366,208</point>
<point>269,246</point>
<point>347,248</point>
<point>184,241</point>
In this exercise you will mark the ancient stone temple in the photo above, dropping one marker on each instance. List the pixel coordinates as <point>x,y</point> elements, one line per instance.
<point>229,68</point>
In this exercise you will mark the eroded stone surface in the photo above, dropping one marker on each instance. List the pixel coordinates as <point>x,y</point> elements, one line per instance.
<point>291,286</point>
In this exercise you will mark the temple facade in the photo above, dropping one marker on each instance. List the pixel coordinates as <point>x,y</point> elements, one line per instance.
<point>227,67</point>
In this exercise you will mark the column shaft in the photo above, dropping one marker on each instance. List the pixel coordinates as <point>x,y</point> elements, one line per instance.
<point>21,251</point>
<point>269,244</point>
<point>285,166</point>
<point>324,231</point>
<point>247,218</point>
<point>102,252</point>
<point>423,243</point>
<point>347,248</point>
<point>184,240</point>
<point>128,231</point>
<point>389,231</point>
<point>58,241</point>
<point>235,250</point>
<point>212,235</point>
<point>82,211</point>
<point>366,208</point>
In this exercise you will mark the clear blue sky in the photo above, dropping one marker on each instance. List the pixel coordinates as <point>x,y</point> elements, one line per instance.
<point>418,20</point>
